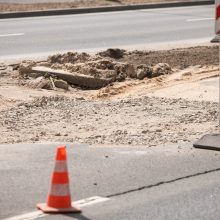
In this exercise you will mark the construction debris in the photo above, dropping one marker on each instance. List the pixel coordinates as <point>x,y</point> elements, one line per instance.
<point>113,53</point>
<point>135,108</point>
<point>40,83</point>
<point>88,71</point>
<point>76,79</point>
<point>144,71</point>
<point>61,84</point>
<point>3,66</point>
<point>161,69</point>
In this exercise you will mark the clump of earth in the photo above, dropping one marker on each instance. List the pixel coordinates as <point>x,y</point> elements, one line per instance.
<point>87,71</point>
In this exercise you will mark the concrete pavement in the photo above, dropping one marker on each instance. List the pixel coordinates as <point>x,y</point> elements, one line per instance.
<point>141,183</point>
<point>47,35</point>
<point>202,90</point>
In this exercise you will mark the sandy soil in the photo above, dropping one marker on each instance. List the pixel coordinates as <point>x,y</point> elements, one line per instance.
<point>122,113</point>
<point>6,7</point>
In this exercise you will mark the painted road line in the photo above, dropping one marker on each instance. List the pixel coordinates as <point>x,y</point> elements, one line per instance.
<point>11,35</point>
<point>91,201</point>
<point>28,216</point>
<point>199,19</point>
<point>40,214</point>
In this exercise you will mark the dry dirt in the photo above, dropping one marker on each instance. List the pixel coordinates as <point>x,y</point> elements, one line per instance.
<point>120,113</point>
<point>6,7</point>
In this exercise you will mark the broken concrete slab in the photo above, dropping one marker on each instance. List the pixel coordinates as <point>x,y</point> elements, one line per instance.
<point>76,79</point>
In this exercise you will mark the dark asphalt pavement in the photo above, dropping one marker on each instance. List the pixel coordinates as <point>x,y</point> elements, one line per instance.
<point>142,183</point>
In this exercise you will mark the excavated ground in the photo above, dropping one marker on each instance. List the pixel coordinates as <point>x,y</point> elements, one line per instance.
<point>123,112</point>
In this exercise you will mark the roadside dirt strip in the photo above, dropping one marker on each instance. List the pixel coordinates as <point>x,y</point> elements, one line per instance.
<point>47,107</point>
<point>31,5</point>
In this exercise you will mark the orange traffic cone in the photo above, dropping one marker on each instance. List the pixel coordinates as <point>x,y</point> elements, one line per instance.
<point>59,198</point>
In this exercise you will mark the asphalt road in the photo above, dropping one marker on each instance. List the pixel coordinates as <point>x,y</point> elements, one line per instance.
<point>46,35</point>
<point>164,182</point>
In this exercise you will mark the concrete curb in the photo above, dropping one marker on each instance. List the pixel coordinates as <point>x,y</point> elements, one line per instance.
<point>103,9</point>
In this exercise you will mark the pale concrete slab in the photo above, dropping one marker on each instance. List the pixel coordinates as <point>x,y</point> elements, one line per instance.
<point>203,90</point>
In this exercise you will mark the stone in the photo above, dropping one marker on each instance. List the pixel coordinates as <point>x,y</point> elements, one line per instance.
<point>124,70</point>
<point>161,69</point>
<point>61,84</point>
<point>26,67</point>
<point>141,74</point>
<point>130,70</point>
<point>3,66</point>
<point>40,83</point>
<point>144,71</point>
<point>113,53</point>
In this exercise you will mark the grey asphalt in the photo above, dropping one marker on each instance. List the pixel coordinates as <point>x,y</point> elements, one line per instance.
<point>47,35</point>
<point>163,182</point>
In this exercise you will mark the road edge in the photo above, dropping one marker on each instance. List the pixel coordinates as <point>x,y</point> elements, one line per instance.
<point>69,11</point>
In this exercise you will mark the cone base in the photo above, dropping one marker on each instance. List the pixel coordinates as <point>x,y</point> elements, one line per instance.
<point>47,209</point>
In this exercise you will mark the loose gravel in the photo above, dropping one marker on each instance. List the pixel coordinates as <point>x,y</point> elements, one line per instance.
<point>134,121</point>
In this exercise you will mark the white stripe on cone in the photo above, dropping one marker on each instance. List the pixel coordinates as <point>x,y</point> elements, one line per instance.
<point>60,190</point>
<point>60,166</point>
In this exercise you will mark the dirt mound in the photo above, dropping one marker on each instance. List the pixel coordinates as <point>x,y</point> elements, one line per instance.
<point>88,71</point>
<point>69,58</point>
<point>178,58</point>
<point>105,70</point>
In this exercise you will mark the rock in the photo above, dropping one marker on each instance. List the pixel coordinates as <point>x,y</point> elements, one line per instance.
<point>57,134</point>
<point>3,66</point>
<point>144,71</point>
<point>61,84</point>
<point>161,69</point>
<point>124,70</point>
<point>141,74</point>
<point>130,70</point>
<point>113,53</point>
<point>26,67</point>
<point>40,83</point>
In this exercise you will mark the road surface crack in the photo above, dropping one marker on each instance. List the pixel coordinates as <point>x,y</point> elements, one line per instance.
<point>162,183</point>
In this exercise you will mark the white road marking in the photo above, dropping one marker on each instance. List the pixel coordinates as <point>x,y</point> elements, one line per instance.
<point>199,19</point>
<point>11,35</point>
<point>40,214</point>
<point>28,216</point>
<point>91,201</point>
